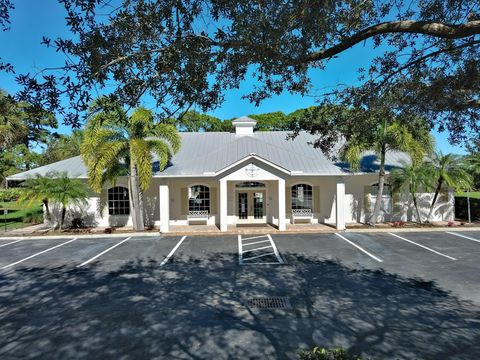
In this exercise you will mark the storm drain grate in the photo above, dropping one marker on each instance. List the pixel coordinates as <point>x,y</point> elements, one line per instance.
<point>269,303</point>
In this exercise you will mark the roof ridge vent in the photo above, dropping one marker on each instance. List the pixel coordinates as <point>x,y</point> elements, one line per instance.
<point>244,125</point>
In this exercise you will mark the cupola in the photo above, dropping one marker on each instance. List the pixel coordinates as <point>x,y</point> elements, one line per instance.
<point>244,125</point>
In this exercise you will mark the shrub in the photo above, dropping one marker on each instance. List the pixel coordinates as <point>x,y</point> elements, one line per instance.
<point>109,230</point>
<point>399,223</point>
<point>33,218</point>
<point>11,194</point>
<point>451,224</point>
<point>77,223</point>
<point>321,353</point>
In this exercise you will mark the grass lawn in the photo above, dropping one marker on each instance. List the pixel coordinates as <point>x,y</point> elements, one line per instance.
<point>473,194</point>
<point>18,214</point>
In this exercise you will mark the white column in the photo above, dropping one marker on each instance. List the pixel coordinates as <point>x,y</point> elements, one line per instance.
<point>340,203</point>
<point>164,198</point>
<point>281,205</point>
<point>223,205</point>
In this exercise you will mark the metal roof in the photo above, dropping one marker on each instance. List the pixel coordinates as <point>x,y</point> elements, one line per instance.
<point>210,152</point>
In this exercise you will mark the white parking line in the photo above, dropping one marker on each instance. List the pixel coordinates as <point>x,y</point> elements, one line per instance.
<point>39,253</point>
<point>241,251</point>
<point>103,252</point>
<point>173,251</point>
<point>259,256</point>
<point>256,249</point>
<point>240,257</point>
<point>254,237</point>
<point>275,250</point>
<point>12,242</point>
<point>359,248</point>
<point>463,236</point>
<point>256,242</point>
<point>424,247</point>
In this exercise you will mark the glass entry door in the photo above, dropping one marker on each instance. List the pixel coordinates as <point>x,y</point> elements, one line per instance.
<point>242,206</point>
<point>251,207</point>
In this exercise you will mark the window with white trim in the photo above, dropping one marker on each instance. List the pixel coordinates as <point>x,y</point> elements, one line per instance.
<point>118,201</point>
<point>302,196</point>
<point>199,198</point>
<point>386,204</point>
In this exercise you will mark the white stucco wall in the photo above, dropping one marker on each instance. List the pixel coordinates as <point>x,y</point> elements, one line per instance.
<point>95,213</point>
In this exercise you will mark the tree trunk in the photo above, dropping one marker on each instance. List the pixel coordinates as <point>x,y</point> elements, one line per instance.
<point>137,210</point>
<point>434,200</point>
<point>415,204</point>
<point>47,210</point>
<point>62,218</point>
<point>381,183</point>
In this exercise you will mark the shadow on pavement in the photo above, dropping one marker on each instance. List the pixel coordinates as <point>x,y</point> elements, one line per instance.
<point>196,311</point>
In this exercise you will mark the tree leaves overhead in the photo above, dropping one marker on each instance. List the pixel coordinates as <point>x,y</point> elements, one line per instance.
<point>184,52</point>
<point>140,49</point>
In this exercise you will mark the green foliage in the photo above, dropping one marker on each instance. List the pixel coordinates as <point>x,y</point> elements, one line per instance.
<point>472,195</point>
<point>33,217</point>
<point>450,170</point>
<point>114,142</point>
<point>65,190</point>
<point>55,187</point>
<point>195,121</point>
<point>427,53</point>
<point>35,189</point>
<point>22,126</point>
<point>16,159</point>
<point>63,147</point>
<point>10,194</point>
<point>413,179</point>
<point>20,214</point>
<point>321,353</point>
<point>472,163</point>
<point>388,135</point>
<point>274,121</point>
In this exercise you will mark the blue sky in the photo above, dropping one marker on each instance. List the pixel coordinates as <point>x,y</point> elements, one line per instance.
<point>33,19</point>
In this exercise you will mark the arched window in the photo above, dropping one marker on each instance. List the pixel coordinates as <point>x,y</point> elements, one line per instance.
<point>386,204</point>
<point>118,201</point>
<point>302,196</point>
<point>199,198</point>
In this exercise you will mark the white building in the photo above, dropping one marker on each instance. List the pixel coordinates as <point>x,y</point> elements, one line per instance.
<point>247,177</point>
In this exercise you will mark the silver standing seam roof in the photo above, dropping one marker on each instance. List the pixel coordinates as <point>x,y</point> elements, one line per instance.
<point>208,153</point>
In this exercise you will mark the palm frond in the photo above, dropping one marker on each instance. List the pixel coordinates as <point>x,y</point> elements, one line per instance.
<point>141,123</point>
<point>162,150</point>
<point>100,158</point>
<point>352,153</point>
<point>170,134</point>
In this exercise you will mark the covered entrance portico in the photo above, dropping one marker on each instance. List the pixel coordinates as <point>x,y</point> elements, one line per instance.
<point>252,191</point>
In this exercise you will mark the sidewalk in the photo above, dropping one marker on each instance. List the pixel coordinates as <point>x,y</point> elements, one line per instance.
<point>40,232</point>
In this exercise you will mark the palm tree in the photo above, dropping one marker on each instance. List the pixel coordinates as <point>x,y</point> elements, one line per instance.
<point>472,163</point>
<point>386,137</point>
<point>117,145</point>
<point>448,170</point>
<point>67,191</point>
<point>413,178</point>
<point>37,189</point>
<point>55,187</point>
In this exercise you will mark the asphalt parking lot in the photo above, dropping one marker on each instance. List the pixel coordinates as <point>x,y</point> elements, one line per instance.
<point>381,295</point>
